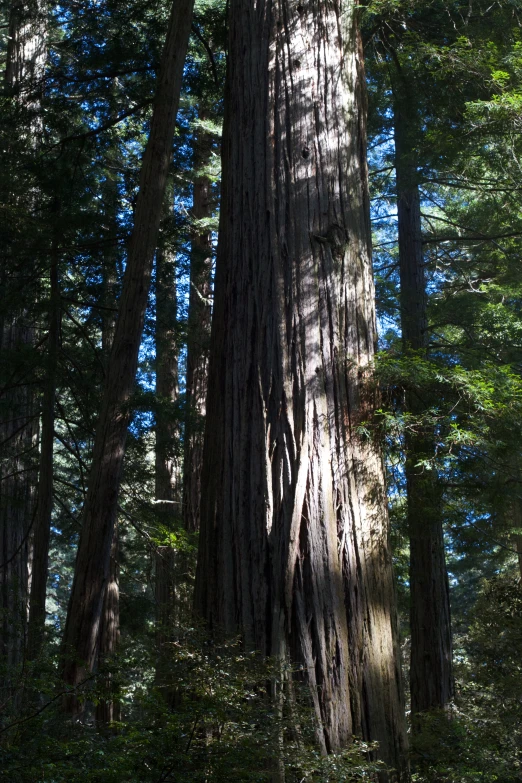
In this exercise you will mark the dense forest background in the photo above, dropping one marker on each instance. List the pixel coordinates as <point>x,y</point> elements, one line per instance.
<point>110,157</point>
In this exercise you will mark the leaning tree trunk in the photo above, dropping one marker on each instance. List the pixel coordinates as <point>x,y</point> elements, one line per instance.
<point>198,345</point>
<point>25,61</point>
<point>431,679</point>
<point>294,548</point>
<point>81,637</point>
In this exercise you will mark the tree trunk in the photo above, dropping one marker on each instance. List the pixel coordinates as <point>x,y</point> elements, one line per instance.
<point>198,345</point>
<point>294,548</point>
<point>166,605</point>
<point>19,443</point>
<point>167,466</point>
<point>108,709</point>
<point>26,52</point>
<point>42,526</point>
<point>431,679</point>
<point>168,473</point>
<point>81,637</point>
<point>516,522</point>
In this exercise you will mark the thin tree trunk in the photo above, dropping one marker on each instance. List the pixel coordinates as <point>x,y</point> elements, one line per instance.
<point>81,637</point>
<point>294,548</point>
<point>166,601</point>
<point>431,678</point>
<point>42,526</point>
<point>198,345</point>
<point>167,466</point>
<point>108,709</point>
<point>517,524</point>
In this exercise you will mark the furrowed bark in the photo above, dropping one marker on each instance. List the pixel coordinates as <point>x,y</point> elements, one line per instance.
<point>431,678</point>
<point>198,345</point>
<point>294,546</point>
<point>81,637</point>
<point>25,61</point>
<point>19,443</point>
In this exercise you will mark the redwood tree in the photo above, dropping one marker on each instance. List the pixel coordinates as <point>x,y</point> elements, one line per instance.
<point>294,548</point>
<point>81,636</point>
<point>24,70</point>
<point>431,678</point>
<point>198,343</point>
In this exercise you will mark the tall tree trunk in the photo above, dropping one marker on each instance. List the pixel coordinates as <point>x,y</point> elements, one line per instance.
<point>19,443</point>
<point>108,709</point>
<point>81,637</point>
<point>167,465</point>
<point>198,345</point>
<point>294,548</point>
<point>167,473</point>
<point>42,525</point>
<point>26,52</point>
<point>431,679</point>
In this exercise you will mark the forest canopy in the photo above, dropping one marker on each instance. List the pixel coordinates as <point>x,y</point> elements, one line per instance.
<point>260,391</point>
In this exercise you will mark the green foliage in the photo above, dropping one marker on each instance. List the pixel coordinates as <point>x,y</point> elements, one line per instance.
<point>481,740</point>
<point>224,724</point>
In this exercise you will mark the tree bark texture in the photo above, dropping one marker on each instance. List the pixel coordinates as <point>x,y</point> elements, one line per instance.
<point>108,709</point>
<point>42,525</point>
<point>81,637</point>
<point>19,444</point>
<point>294,548</point>
<point>26,53</point>
<point>431,678</point>
<point>26,50</point>
<point>198,346</point>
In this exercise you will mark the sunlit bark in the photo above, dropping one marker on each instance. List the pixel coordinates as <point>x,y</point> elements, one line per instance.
<point>294,532</point>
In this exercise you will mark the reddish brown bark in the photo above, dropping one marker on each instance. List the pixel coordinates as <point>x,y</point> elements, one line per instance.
<point>294,533</point>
